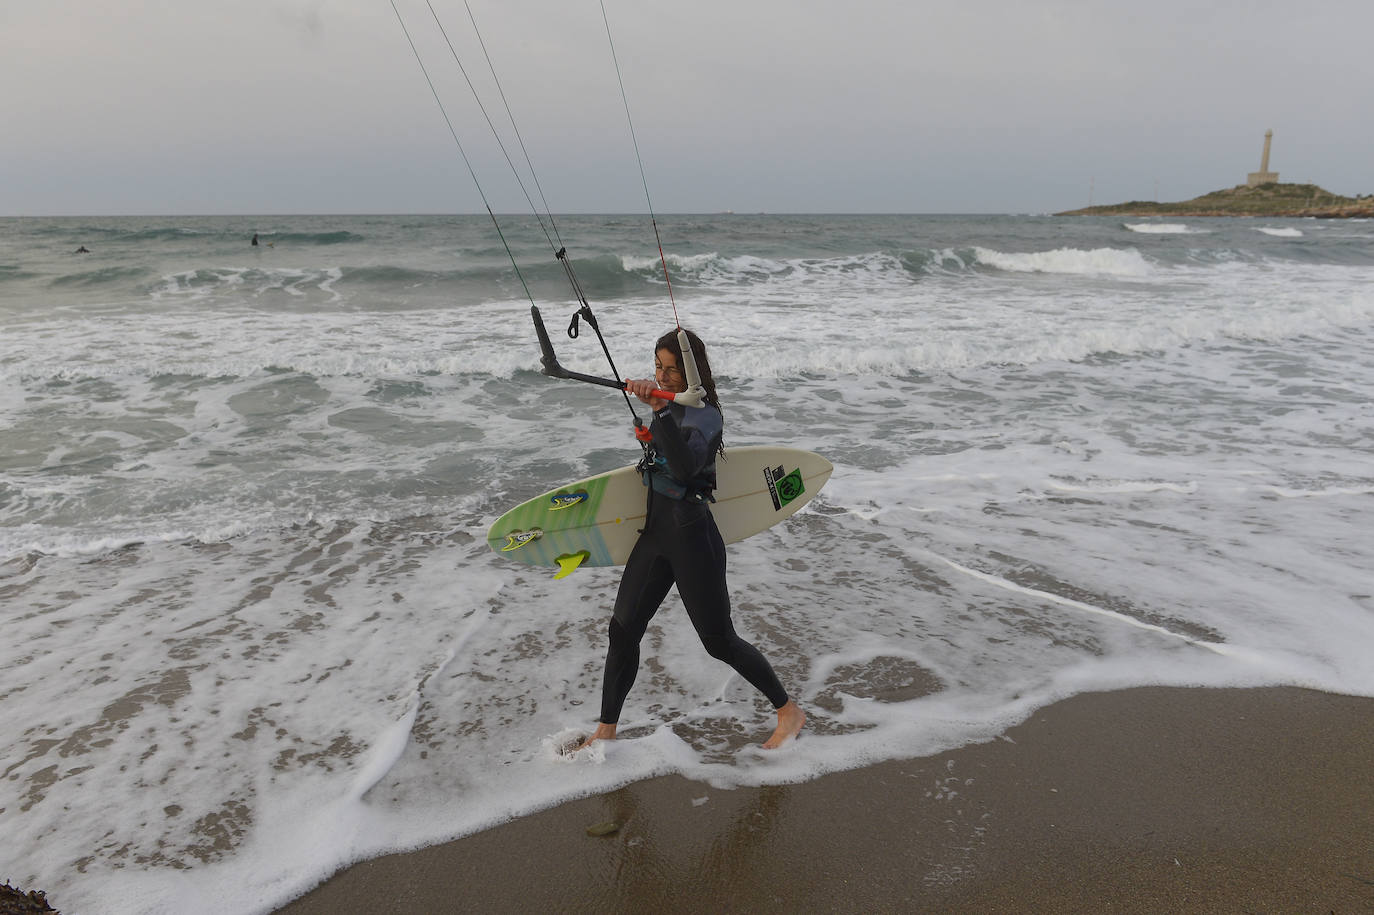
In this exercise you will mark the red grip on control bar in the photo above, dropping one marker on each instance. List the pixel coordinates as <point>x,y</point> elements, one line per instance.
<point>661,395</point>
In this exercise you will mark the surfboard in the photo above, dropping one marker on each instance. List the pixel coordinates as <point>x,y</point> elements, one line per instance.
<point>596,521</point>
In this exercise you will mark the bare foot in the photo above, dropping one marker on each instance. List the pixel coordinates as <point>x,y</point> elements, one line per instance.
<point>790,721</point>
<point>603,732</point>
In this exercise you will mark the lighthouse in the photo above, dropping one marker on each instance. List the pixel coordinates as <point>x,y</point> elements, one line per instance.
<point>1264,175</point>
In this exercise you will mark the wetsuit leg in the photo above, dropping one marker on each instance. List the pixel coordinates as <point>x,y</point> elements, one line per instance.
<point>646,581</point>
<point>699,566</point>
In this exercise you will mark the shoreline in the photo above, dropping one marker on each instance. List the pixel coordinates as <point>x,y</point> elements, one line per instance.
<point>1142,800</point>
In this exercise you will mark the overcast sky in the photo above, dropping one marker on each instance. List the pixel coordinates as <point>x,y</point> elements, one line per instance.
<point>958,106</point>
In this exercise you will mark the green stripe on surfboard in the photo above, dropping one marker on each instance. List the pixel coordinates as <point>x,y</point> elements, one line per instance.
<point>565,520</point>
<point>548,513</point>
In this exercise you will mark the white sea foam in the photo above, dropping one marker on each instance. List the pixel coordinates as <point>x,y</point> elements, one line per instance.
<point>1163,228</point>
<point>1337,492</point>
<point>1284,232</point>
<point>692,262</point>
<point>255,282</point>
<point>1096,262</point>
<point>1123,486</point>
<point>918,328</point>
<point>254,632</point>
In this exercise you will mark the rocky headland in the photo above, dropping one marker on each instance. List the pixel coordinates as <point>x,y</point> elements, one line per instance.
<point>1268,200</point>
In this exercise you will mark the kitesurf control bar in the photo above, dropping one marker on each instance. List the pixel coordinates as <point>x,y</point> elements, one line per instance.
<point>691,397</point>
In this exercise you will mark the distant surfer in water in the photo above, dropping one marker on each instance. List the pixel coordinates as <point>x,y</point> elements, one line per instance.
<point>82,250</point>
<point>681,545</point>
<point>254,242</point>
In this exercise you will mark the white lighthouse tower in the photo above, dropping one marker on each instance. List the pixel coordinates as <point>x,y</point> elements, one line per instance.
<point>1264,175</point>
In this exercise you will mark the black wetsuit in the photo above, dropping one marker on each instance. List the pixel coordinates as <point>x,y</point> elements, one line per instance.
<point>681,545</point>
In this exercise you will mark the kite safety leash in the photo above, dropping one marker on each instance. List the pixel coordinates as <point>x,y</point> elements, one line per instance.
<point>695,395</point>
<point>625,100</point>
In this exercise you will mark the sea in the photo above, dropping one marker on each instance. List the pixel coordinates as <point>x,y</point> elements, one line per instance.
<point>253,631</point>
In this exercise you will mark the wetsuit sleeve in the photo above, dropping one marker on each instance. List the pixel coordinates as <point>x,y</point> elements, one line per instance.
<point>687,446</point>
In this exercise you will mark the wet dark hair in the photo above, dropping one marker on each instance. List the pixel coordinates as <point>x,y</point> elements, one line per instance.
<point>669,342</point>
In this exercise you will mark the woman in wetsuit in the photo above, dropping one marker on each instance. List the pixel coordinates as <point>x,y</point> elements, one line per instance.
<point>681,545</point>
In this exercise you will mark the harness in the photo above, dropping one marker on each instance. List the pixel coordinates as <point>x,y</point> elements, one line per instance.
<point>653,470</point>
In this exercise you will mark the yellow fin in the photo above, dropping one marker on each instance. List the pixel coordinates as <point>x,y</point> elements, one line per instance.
<point>568,563</point>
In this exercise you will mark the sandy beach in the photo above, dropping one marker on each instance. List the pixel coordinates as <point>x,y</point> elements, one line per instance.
<point>1144,800</point>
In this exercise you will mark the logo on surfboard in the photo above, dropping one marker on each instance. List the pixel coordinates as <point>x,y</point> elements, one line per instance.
<point>561,500</point>
<point>784,487</point>
<point>516,539</point>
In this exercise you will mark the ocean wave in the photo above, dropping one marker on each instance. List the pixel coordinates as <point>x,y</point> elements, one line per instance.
<point>375,285</point>
<point>495,340</point>
<point>716,271</point>
<point>100,277</point>
<point>161,233</point>
<point>604,276</point>
<point>252,282</point>
<point>683,267</point>
<point>1096,262</point>
<point>624,278</point>
<point>341,362</point>
<point>237,235</point>
<point>9,273</point>
<point>1280,232</point>
<point>311,238</point>
<point>108,232</point>
<point>147,233</point>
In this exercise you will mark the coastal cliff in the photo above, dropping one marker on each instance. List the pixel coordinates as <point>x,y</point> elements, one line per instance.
<point>1265,200</point>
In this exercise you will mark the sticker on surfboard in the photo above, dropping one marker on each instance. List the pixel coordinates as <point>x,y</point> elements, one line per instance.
<point>516,539</point>
<point>563,500</point>
<point>783,486</point>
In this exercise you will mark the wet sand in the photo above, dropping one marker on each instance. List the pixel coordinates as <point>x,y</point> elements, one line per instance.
<point>1144,800</point>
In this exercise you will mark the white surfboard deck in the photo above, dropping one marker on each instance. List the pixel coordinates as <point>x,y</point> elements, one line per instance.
<point>596,521</point>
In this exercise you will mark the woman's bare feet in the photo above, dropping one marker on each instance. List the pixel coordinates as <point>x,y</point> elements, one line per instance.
<point>790,721</point>
<point>603,732</point>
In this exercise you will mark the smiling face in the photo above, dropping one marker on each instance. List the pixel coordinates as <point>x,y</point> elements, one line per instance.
<point>667,373</point>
